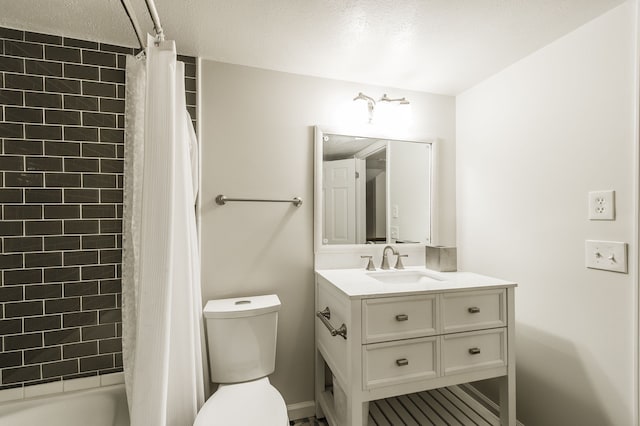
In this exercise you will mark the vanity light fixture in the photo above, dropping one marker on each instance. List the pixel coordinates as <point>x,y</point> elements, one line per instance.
<point>371,104</point>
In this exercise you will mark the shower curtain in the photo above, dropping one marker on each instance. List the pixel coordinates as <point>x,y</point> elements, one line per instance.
<point>162,323</point>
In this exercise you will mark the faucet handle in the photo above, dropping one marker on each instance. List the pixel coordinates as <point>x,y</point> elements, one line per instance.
<point>399,264</point>
<point>370,266</point>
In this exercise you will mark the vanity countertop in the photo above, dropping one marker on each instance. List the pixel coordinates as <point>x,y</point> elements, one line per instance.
<point>361,284</point>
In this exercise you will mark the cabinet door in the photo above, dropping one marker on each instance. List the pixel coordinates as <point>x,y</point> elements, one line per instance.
<point>390,363</point>
<point>473,310</point>
<point>396,318</point>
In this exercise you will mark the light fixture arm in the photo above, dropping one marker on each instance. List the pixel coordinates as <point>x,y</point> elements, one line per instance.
<point>365,97</point>
<point>386,98</point>
<point>371,103</point>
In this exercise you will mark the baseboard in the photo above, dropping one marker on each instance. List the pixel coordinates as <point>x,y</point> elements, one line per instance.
<point>301,410</point>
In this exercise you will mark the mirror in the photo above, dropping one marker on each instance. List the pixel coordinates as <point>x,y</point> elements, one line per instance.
<point>372,190</point>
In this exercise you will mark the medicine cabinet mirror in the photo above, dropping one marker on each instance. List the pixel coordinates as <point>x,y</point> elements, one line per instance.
<point>372,190</point>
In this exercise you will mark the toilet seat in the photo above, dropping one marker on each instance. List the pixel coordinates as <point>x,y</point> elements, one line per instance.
<point>241,404</point>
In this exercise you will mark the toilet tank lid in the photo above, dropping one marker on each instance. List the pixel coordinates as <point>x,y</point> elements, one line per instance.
<point>238,307</point>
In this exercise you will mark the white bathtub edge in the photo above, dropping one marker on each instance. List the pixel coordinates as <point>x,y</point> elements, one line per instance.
<point>61,386</point>
<point>111,379</point>
<point>7,395</point>
<point>82,383</point>
<point>43,389</point>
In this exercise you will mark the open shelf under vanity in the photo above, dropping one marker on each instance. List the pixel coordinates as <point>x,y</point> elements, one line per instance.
<point>452,406</point>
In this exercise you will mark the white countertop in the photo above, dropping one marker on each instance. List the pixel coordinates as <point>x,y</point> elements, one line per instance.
<point>358,283</point>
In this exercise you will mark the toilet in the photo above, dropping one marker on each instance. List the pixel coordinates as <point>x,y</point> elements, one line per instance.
<point>241,342</point>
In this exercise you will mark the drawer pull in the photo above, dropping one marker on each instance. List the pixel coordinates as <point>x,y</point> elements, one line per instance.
<point>402,317</point>
<point>473,310</point>
<point>402,362</point>
<point>325,316</point>
<point>474,351</point>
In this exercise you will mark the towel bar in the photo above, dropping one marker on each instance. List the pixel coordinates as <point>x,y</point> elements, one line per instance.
<point>223,199</point>
<point>325,316</point>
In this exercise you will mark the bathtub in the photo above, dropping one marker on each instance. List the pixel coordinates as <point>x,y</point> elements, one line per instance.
<point>103,406</point>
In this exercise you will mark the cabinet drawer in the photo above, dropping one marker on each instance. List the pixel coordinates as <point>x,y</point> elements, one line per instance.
<point>475,350</point>
<point>390,363</point>
<point>396,318</point>
<point>473,310</point>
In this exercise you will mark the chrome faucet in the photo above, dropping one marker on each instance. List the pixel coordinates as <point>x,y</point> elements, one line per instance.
<point>399,264</point>
<point>370,266</point>
<point>385,257</point>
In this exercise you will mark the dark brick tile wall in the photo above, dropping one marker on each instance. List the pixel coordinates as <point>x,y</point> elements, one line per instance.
<point>61,178</point>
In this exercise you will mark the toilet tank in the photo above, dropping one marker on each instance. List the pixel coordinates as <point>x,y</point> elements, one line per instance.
<point>241,337</point>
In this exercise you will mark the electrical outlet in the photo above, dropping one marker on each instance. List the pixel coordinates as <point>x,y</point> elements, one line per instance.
<point>607,255</point>
<point>602,205</point>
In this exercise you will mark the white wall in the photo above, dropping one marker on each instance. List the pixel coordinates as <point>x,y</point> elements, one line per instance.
<point>257,141</point>
<point>531,142</point>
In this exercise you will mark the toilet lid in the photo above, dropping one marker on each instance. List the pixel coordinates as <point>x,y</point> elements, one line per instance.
<point>242,404</point>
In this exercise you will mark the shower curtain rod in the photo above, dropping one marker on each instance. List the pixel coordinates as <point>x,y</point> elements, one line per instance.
<point>134,22</point>
<point>153,12</point>
<point>151,7</point>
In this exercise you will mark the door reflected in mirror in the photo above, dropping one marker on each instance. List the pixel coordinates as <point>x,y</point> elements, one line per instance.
<point>375,190</point>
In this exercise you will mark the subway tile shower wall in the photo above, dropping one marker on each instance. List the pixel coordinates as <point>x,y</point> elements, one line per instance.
<point>61,179</point>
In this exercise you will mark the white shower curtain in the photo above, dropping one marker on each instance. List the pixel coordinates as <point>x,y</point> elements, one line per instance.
<point>162,322</point>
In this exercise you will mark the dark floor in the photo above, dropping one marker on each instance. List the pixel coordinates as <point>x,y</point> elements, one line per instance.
<point>311,421</point>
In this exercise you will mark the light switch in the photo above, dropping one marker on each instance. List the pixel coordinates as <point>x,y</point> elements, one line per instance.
<point>607,255</point>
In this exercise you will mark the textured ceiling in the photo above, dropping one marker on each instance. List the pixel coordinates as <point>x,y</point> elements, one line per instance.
<point>439,46</point>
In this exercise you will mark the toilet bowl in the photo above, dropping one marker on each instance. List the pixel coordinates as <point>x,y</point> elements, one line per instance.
<point>243,404</point>
<point>241,343</point>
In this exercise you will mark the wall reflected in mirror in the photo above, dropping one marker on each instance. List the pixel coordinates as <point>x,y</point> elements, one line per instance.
<point>375,191</point>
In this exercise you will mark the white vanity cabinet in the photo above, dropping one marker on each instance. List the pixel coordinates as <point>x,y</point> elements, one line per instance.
<point>406,339</point>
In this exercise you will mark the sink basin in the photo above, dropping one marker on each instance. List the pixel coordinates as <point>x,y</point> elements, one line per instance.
<point>403,277</point>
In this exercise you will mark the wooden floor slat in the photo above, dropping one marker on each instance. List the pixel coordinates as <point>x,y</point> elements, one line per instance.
<point>450,406</point>
<point>388,412</point>
<point>376,414</point>
<point>403,413</point>
<point>427,410</point>
<point>417,414</point>
<point>462,402</point>
<point>442,412</point>
<point>370,421</point>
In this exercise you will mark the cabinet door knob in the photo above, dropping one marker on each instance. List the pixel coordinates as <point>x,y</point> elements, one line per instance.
<point>474,351</point>
<point>402,362</point>
<point>473,310</point>
<point>402,317</point>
